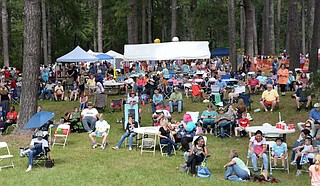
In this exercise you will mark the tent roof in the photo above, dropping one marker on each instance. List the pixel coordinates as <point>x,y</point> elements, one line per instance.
<point>220,52</point>
<point>167,51</point>
<point>77,55</point>
<point>103,57</point>
<point>114,54</point>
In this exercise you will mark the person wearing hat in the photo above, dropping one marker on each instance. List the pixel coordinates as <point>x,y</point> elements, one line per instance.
<point>253,83</point>
<point>291,85</point>
<point>270,97</point>
<point>303,94</point>
<point>315,114</point>
<point>175,100</point>
<point>37,146</point>
<point>89,116</point>
<point>58,91</point>
<point>157,99</point>
<point>132,99</point>
<point>223,121</point>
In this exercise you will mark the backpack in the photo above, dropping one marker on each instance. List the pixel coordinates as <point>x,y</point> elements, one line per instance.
<point>203,171</point>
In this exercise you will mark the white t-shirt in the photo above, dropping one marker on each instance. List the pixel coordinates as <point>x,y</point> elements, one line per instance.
<point>240,89</point>
<point>102,126</point>
<point>99,88</point>
<point>90,112</point>
<point>129,81</point>
<point>132,99</point>
<point>165,113</point>
<point>241,164</point>
<point>43,142</point>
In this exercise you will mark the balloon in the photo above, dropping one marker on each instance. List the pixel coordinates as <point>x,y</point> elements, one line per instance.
<point>157,40</point>
<point>175,39</point>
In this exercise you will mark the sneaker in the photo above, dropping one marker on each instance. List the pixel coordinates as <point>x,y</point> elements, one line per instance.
<point>298,173</point>
<point>130,148</point>
<point>298,109</point>
<point>293,163</point>
<point>103,147</point>
<point>306,109</point>
<point>115,148</point>
<point>274,166</point>
<point>89,132</point>
<point>284,167</point>
<point>94,146</point>
<point>211,131</point>
<point>236,137</point>
<point>29,168</point>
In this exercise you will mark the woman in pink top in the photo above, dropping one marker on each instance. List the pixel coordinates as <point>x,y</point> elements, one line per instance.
<point>314,171</point>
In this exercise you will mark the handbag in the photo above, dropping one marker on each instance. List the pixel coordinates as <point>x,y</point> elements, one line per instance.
<point>49,163</point>
<point>203,171</point>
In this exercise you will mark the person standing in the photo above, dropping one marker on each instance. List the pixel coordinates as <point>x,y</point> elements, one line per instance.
<point>283,75</point>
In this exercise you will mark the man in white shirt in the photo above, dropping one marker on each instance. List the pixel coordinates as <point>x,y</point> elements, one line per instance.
<point>58,91</point>
<point>241,88</point>
<point>129,83</point>
<point>162,113</point>
<point>102,129</point>
<point>37,146</point>
<point>89,116</point>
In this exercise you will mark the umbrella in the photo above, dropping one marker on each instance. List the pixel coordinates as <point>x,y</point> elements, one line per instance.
<point>39,119</point>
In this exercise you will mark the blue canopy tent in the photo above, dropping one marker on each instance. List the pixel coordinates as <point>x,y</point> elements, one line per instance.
<point>104,57</point>
<point>220,52</point>
<point>77,55</point>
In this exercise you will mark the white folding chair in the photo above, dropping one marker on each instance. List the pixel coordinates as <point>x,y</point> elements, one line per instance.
<point>163,146</point>
<point>107,132</point>
<point>6,155</point>
<point>270,144</point>
<point>149,140</point>
<point>249,160</point>
<point>66,131</point>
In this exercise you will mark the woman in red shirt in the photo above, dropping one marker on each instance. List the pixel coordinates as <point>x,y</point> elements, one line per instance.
<point>12,117</point>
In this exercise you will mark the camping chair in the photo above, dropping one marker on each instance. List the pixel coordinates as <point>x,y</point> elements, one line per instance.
<point>215,96</point>
<point>63,132</point>
<point>41,158</point>
<point>149,140</point>
<point>130,111</point>
<point>117,103</point>
<point>163,147</point>
<point>247,99</point>
<point>194,116</point>
<point>5,156</point>
<point>196,95</point>
<point>100,101</point>
<point>270,144</point>
<point>15,96</point>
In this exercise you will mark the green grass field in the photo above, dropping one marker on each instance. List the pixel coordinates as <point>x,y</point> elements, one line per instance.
<point>79,164</point>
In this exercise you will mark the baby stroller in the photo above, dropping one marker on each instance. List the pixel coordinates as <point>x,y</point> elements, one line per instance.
<point>100,101</point>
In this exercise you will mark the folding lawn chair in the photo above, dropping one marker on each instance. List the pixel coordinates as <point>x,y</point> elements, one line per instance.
<point>246,99</point>
<point>63,132</point>
<point>117,103</point>
<point>130,111</point>
<point>149,140</point>
<point>100,101</point>
<point>270,144</point>
<point>5,155</point>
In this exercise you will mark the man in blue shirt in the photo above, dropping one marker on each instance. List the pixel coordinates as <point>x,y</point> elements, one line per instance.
<point>222,85</point>
<point>156,100</point>
<point>315,114</point>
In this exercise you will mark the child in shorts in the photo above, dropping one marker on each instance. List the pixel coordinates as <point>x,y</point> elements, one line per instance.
<point>279,150</point>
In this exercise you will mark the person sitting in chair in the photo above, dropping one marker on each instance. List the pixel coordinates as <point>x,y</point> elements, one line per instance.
<point>89,116</point>
<point>131,125</point>
<point>222,85</point>
<point>208,116</point>
<point>236,91</point>
<point>303,95</point>
<point>270,97</point>
<point>101,130</point>
<point>166,137</point>
<point>253,83</point>
<point>156,100</point>
<point>175,100</point>
<point>223,121</point>
<point>74,91</point>
<point>161,113</point>
<point>133,99</point>
<point>37,146</point>
<point>58,91</point>
<point>315,114</point>
<point>12,117</point>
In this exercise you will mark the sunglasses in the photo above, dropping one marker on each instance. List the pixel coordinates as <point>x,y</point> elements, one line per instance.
<point>307,126</point>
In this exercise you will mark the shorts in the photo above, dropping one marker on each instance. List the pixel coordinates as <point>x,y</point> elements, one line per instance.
<point>278,154</point>
<point>240,129</point>
<point>268,103</point>
<point>98,134</point>
<point>303,99</point>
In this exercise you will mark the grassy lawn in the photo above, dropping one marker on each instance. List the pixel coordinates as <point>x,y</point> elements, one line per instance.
<point>79,164</point>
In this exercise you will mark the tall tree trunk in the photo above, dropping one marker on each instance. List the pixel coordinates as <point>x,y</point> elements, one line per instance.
<point>265,44</point>
<point>242,24</point>
<point>143,21</point>
<point>309,25</point>
<point>278,27</point>
<point>303,27</point>
<point>149,12</point>
<point>287,33</point>
<point>232,34</point>
<point>271,29</point>
<point>255,32</point>
<point>173,18</point>
<point>49,9</point>
<point>248,7</point>
<point>31,60</point>
<point>132,21</point>
<point>164,21</point>
<point>314,61</point>
<point>100,40</point>
<point>5,34</point>
<point>294,47</point>
<point>44,32</point>
<point>193,4</point>
<point>95,42</point>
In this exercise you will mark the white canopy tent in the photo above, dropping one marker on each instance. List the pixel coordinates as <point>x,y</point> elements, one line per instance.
<point>117,58</point>
<point>77,55</point>
<point>167,51</point>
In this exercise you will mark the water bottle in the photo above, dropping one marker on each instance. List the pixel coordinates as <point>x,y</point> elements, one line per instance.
<point>257,110</point>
